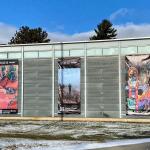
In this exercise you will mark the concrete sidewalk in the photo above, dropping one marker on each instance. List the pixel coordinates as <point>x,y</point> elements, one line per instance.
<point>124,120</point>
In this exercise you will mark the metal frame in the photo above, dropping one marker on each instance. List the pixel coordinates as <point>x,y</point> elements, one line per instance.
<point>119,71</point>
<point>85,80</point>
<point>22,82</point>
<point>53,81</point>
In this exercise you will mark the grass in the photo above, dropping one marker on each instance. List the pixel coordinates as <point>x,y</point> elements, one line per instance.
<point>96,137</point>
<point>44,131</point>
<point>37,136</point>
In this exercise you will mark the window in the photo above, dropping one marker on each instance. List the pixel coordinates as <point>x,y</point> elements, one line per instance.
<point>30,54</point>
<point>63,53</point>
<point>129,50</point>
<point>3,55</point>
<point>76,52</point>
<point>111,51</point>
<point>94,52</point>
<point>45,54</point>
<point>144,49</point>
<point>14,55</point>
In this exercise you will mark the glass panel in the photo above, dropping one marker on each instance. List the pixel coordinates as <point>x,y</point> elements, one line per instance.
<point>129,50</point>
<point>66,53</point>
<point>3,55</point>
<point>62,53</point>
<point>94,52</point>
<point>110,51</point>
<point>76,52</point>
<point>58,53</point>
<point>144,49</point>
<point>14,55</point>
<point>30,54</point>
<point>44,54</point>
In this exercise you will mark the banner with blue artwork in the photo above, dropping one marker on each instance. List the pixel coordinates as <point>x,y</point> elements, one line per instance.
<point>69,85</point>
<point>138,84</point>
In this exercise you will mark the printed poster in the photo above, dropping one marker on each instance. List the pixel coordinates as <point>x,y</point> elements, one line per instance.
<point>8,86</point>
<point>69,85</point>
<point>138,84</point>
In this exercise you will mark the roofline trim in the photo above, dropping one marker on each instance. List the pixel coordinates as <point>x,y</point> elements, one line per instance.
<point>76,42</point>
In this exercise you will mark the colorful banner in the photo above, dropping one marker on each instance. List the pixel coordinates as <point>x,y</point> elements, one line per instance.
<point>138,84</point>
<point>69,85</point>
<point>8,86</point>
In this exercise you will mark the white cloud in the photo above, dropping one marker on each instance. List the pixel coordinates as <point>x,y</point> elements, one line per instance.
<point>127,30</point>
<point>132,30</point>
<point>6,32</point>
<point>119,13</point>
<point>61,37</point>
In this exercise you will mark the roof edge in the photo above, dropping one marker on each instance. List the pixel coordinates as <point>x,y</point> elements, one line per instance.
<point>75,42</point>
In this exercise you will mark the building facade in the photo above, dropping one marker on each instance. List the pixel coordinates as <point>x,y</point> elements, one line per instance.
<point>108,78</point>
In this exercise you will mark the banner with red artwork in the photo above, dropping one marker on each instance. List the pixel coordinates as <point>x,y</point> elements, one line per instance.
<point>8,86</point>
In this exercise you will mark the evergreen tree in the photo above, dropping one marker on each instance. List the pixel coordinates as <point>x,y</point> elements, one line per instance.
<point>26,35</point>
<point>104,31</point>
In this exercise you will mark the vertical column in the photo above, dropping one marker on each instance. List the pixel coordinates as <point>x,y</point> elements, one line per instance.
<point>119,68</point>
<point>22,81</point>
<point>85,79</point>
<point>53,81</point>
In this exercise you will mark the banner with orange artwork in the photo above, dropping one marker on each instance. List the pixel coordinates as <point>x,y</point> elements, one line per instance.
<point>137,84</point>
<point>8,86</point>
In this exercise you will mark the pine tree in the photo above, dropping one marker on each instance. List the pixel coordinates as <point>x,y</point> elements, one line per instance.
<point>104,31</point>
<point>26,35</point>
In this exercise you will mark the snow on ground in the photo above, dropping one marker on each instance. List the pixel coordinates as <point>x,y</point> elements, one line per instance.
<point>75,129</point>
<point>58,135</point>
<point>28,144</point>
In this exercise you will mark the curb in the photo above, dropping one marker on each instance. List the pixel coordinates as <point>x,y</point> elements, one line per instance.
<point>123,120</point>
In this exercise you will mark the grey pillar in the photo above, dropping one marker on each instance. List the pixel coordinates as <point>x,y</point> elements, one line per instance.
<point>22,81</point>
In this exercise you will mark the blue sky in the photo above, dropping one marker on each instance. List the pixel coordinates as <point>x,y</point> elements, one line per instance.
<point>72,18</point>
<point>70,76</point>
